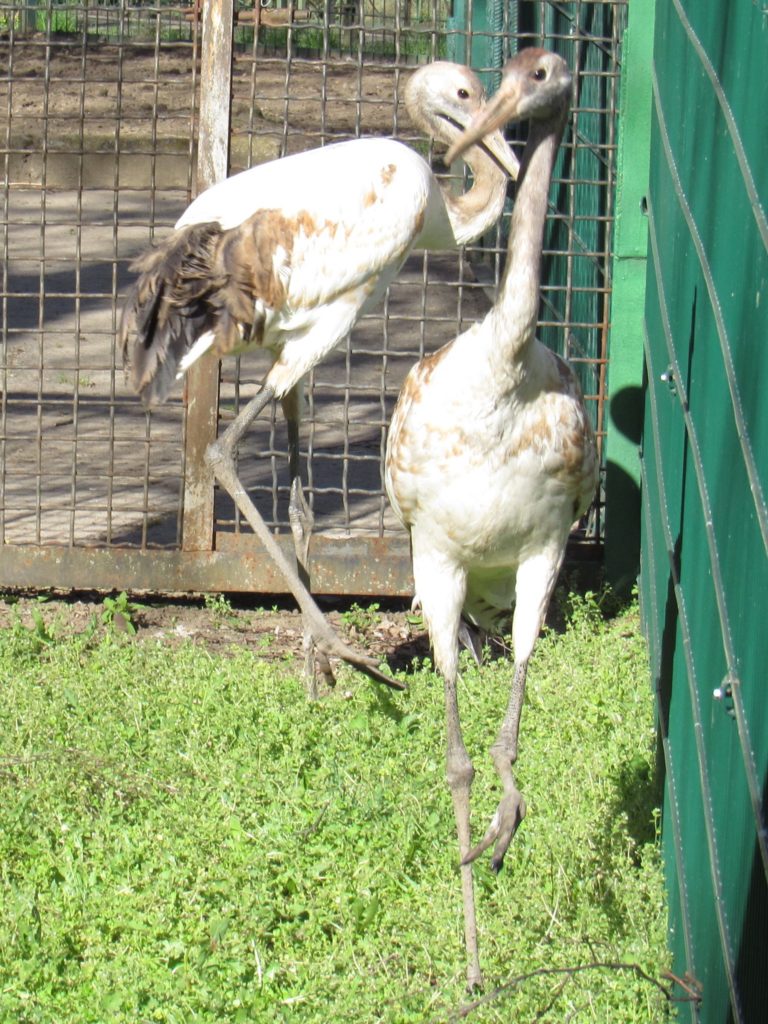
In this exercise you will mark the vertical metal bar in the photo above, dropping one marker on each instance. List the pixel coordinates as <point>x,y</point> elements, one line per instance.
<point>288,76</point>
<point>202,380</point>
<point>324,79</point>
<point>611,104</point>
<point>346,427</point>
<point>112,433</point>
<point>309,431</point>
<point>78,239</point>
<point>273,449</point>
<point>624,411</point>
<point>41,355</point>
<point>194,121</point>
<point>383,414</point>
<point>4,286</point>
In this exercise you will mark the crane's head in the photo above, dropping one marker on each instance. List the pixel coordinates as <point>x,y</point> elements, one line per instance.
<point>443,98</point>
<point>535,85</point>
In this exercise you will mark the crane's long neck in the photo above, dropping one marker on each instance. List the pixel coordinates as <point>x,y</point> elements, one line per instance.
<point>475,211</point>
<point>513,317</point>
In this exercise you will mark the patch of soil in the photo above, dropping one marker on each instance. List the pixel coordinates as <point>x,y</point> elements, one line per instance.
<point>73,92</point>
<point>388,631</point>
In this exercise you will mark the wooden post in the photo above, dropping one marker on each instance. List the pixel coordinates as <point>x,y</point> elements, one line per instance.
<point>202,378</point>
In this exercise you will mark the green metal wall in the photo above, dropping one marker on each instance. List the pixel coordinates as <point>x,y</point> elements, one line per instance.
<point>704,479</point>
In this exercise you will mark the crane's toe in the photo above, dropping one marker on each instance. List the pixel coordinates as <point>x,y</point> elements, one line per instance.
<point>370,667</point>
<point>317,668</point>
<point>504,824</point>
<point>329,645</point>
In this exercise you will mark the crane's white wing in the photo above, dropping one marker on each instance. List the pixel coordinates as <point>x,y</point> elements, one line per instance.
<point>329,219</point>
<point>287,255</point>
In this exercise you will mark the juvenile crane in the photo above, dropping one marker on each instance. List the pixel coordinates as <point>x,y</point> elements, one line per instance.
<point>287,256</point>
<point>490,459</point>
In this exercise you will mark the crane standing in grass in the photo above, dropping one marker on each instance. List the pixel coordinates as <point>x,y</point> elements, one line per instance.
<point>287,256</point>
<point>490,459</point>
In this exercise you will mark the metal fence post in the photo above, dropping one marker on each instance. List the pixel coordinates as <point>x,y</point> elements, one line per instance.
<point>625,368</point>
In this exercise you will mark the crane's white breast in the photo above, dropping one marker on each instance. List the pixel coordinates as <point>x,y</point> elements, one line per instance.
<point>488,473</point>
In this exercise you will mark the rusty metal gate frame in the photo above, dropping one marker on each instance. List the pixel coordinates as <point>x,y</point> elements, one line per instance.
<point>210,558</point>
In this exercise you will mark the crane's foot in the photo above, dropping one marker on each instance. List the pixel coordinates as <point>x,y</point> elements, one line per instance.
<point>474,979</point>
<point>504,824</point>
<point>320,645</point>
<point>327,644</point>
<point>318,673</point>
<point>317,667</point>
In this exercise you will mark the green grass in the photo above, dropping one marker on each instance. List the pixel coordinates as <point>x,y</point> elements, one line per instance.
<point>183,838</point>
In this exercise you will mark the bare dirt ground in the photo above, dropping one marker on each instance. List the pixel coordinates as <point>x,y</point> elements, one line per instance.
<point>271,628</point>
<point>76,94</point>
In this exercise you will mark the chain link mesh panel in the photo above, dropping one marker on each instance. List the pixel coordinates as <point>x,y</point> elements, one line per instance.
<point>99,112</point>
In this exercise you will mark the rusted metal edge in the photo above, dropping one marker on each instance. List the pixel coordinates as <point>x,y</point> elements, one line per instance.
<point>351,566</point>
<point>365,566</point>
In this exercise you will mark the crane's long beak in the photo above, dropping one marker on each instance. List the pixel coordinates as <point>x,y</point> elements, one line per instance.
<point>499,109</point>
<point>497,147</point>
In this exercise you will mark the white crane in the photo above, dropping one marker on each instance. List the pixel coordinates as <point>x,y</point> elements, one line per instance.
<point>287,256</point>
<point>490,459</point>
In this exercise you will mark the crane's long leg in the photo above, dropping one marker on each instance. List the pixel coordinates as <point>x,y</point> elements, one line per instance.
<point>221,458</point>
<point>441,587</point>
<point>533,588</point>
<point>460,773</point>
<point>511,810</point>
<point>302,523</point>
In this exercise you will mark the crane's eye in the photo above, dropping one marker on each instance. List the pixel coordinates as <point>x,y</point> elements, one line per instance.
<point>539,74</point>
<point>463,94</point>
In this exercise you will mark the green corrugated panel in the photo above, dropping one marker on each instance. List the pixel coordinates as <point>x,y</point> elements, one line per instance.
<point>705,477</point>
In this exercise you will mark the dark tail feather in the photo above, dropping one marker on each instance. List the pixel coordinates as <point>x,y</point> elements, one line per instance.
<point>167,308</point>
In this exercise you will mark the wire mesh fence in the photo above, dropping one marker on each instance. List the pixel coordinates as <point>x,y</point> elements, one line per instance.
<point>99,118</point>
